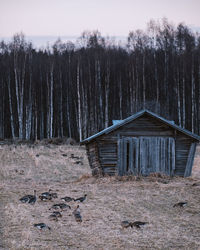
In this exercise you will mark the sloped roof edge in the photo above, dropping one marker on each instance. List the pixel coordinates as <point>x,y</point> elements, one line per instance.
<point>135,116</point>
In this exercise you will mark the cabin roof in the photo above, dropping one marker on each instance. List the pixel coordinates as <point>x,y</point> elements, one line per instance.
<point>134,117</point>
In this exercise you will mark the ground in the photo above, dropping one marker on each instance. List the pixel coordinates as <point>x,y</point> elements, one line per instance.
<point>110,200</point>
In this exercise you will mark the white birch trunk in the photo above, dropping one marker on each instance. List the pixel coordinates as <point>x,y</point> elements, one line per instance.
<point>21,115</point>
<point>100,91</point>
<point>79,103</point>
<point>19,87</point>
<point>157,83</point>
<point>183,101</point>
<point>2,94</point>
<point>193,97</point>
<point>60,107</point>
<point>29,111</point>
<point>48,107</point>
<point>11,110</point>
<point>68,118</point>
<point>199,98</point>
<point>120,97</point>
<point>178,99</point>
<point>133,93</point>
<point>143,80</point>
<point>51,103</point>
<point>107,83</point>
<point>68,107</point>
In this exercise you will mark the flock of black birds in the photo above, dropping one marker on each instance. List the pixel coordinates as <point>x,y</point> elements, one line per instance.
<point>48,196</point>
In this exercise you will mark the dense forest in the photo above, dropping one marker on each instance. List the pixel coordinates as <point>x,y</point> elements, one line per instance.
<point>75,90</point>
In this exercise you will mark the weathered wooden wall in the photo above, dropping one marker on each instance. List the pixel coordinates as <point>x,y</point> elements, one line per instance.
<point>93,158</point>
<point>103,153</point>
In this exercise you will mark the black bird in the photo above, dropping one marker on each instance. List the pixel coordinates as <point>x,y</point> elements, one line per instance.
<point>79,162</point>
<point>138,224</point>
<point>45,198</point>
<point>63,206</point>
<point>81,199</point>
<point>55,206</point>
<point>25,199</point>
<point>54,195</point>
<point>180,204</point>
<point>77,210</point>
<point>58,214</point>
<point>42,226</point>
<point>74,157</point>
<point>31,199</point>
<point>126,224</point>
<point>77,214</point>
<point>47,194</point>
<point>60,206</point>
<point>78,217</point>
<point>53,217</point>
<point>196,184</point>
<point>67,199</point>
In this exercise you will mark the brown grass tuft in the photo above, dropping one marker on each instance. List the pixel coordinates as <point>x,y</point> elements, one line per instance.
<point>84,178</point>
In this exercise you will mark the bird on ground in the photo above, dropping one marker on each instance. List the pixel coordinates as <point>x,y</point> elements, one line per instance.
<point>81,199</point>
<point>77,214</point>
<point>180,204</point>
<point>77,210</point>
<point>54,195</point>
<point>53,217</point>
<point>138,224</point>
<point>45,198</point>
<point>75,157</point>
<point>31,199</point>
<point>55,206</point>
<point>67,199</point>
<point>61,206</point>
<point>42,226</point>
<point>58,214</point>
<point>79,162</point>
<point>196,184</point>
<point>78,217</point>
<point>125,224</point>
<point>48,195</point>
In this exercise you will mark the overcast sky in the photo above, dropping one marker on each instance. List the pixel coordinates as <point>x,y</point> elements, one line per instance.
<point>72,17</point>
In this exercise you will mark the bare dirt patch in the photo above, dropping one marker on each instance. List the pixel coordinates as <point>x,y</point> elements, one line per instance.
<point>110,200</point>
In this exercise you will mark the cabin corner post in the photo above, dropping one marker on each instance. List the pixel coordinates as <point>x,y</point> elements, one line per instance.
<point>188,169</point>
<point>93,158</point>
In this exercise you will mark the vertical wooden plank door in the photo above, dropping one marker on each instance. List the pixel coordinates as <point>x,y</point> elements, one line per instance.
<point>145,155</point>
<point>157,154</point>
<point>128,156</point>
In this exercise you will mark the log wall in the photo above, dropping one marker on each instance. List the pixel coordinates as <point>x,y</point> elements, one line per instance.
<point>104,156</point>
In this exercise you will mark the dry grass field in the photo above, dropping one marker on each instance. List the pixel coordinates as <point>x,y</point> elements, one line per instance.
<point>110,200</point>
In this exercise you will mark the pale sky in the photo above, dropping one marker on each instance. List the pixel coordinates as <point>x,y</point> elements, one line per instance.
<point>72,17</point>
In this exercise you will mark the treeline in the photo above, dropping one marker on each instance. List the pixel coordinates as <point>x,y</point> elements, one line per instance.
<point>75,90</point>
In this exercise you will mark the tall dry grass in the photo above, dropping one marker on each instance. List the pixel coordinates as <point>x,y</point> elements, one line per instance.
<point>24,168</point>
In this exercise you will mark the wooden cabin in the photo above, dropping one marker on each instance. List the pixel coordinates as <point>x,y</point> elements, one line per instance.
<point>142,144</point>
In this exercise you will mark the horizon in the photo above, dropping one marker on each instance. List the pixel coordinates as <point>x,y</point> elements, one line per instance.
<point>42,41</point>
<point>113,18</point>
